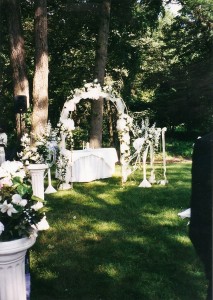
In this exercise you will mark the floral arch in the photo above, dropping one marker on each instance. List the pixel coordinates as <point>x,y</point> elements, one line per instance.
<point>94,91</point>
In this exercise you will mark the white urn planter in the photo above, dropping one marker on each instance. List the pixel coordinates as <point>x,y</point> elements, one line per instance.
<point>12,268</point>
<point>37,175</point>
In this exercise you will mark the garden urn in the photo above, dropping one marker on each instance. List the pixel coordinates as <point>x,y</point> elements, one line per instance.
<point>12,268</point>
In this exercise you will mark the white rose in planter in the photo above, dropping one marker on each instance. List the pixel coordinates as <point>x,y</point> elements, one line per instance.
<point>11,166</point>
<point>3,173</point>
<point>6,181</point>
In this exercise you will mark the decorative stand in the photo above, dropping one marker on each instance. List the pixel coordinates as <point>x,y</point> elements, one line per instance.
<point>50,189</point>
<point>152,159</point>
<point>164,181</point>
<point>145,183</point>
<point>12,268</point>
<point>37,175</point>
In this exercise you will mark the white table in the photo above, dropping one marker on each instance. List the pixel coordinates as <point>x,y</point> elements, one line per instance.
<point>90,164</point>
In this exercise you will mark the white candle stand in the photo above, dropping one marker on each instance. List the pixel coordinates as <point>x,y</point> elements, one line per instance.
<point>152,159</point>
<point>164,181</point>
<point>145,183</point>
<point>50,189</point>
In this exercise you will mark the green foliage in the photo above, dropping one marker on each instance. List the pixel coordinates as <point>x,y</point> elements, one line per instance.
<point>109,241</point>
<point>161,65</point>
<point>182,85</point>
<point>179,148</point>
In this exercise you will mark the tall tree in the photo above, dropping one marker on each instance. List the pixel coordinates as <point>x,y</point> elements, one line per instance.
<point>100,64</point>
<point>40,81</point>
<point>17,55</point>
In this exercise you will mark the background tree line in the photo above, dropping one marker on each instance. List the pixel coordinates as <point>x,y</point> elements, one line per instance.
<point>160,64</point>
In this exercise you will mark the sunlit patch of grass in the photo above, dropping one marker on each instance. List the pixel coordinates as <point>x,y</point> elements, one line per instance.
<point>137,239</point>
<point>107,227</point>
<point>183,240</point>
<point>110,269</point>
<point>168,216</point>
<point>47,275</point>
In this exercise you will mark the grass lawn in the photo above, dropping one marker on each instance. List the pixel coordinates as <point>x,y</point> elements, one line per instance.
<point>114,242</point>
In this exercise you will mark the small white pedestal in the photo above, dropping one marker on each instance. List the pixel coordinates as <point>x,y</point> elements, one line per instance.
<point>37,175</point>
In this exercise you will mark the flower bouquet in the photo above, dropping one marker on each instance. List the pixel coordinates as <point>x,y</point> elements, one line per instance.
<point>45,149</point>
<point>21,213</point>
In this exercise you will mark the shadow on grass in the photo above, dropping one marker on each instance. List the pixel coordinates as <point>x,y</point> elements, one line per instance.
<point>111,242</point>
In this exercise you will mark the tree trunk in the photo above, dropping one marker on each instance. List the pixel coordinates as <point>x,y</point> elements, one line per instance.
<point>100,64</point>
<point>17,56</point>
<point>40,80</point>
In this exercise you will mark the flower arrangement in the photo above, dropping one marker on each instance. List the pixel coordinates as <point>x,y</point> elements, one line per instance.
<point>146,135</point>
<point>124,125</point>
<point>146,142</point>
<point>45,149</point>
<point>61,167</point>
<point>21,213</point>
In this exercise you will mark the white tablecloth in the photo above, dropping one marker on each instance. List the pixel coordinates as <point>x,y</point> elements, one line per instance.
<point>90,164</point>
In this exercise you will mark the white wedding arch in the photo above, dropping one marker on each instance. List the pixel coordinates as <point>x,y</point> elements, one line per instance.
<point>94,91</point>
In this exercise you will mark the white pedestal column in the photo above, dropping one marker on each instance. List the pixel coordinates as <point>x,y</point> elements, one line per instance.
<point>12,268</point>
<point>37,175</point>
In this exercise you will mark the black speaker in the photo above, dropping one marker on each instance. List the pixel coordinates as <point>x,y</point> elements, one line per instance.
<point>20,104</point>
